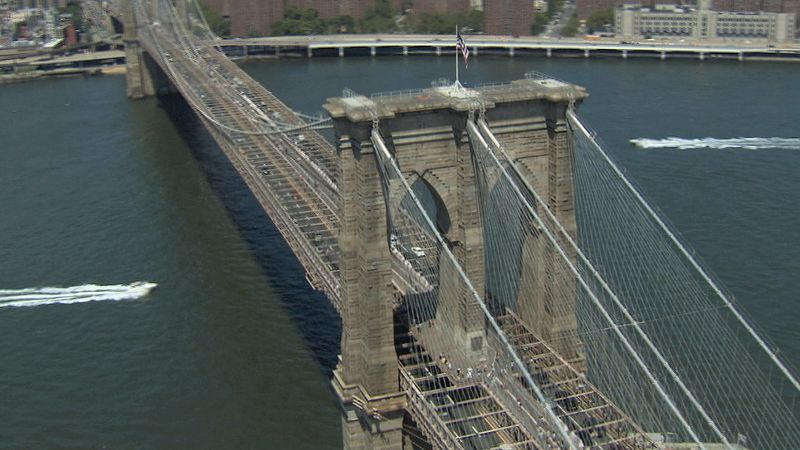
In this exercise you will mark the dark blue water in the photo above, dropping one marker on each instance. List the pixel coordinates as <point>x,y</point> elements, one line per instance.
<point>98,189</point>
<point>738,208</point>
<point>232,349</point>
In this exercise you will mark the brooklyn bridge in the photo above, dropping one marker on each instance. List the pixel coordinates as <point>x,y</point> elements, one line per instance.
<point>501,282</point>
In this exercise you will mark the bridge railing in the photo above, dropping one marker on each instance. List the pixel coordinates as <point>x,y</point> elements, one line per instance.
<point>454,321</point>
<point>396,94</point>
<point>728,376</point>
<point>426,415</point>
<point>274,161</point>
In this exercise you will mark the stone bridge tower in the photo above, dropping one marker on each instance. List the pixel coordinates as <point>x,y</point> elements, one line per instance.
<point>427,135</point>
<point>144,77</point>
<point>138,77</point>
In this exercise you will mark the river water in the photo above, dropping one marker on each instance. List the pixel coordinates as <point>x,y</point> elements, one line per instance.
<point>231,348</point>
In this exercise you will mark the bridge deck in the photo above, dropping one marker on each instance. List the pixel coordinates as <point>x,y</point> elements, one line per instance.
<point>594,419</point>
<point>454,412</point>
<point>291,170</point>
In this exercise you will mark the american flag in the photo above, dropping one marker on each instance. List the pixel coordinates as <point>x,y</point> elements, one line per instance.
<point>460,45</point>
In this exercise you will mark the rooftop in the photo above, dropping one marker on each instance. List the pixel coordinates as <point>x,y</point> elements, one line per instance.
<point>359,108</point>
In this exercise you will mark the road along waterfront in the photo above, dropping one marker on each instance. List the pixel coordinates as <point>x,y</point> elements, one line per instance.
<point>391,44</point>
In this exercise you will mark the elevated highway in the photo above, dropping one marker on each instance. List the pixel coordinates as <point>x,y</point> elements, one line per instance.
<point>392,44</point>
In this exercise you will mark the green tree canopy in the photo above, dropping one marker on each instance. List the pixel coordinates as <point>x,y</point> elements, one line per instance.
<point>378,19</point>
<point>77,14</point>
<point>297,21</point>
<point>539,23</point>
<point>541,19</point>
<point>599,19</point>
<point>343,23</point>
<point>571,27</point>
<point>219,25</point>
<point>433,23</point>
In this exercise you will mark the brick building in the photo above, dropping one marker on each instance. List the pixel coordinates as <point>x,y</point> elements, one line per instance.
<point>509,17</point>
<point>504,17</point>
<point>441,6</point>
<point>585,8</point>
<point>249,17</point>
<point>70,35</point>
<point>255,17</point>
<point>329,9</point>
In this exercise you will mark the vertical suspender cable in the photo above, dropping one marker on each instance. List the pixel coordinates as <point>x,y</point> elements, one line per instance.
<point>786,372</point>
<point>593,296</point>
<point>386,158</point>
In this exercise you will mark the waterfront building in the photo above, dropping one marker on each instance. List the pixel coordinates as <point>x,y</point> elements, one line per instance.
<point>442,6</point>
<point>14,5</point>
<point>330,9</point>
<point>70,35</point>
<point>249,17</point>
<point>36,4</point>
<point>255,17</point>
<point>509,17</point>
<point>585,8</point>
<point>634,21</point>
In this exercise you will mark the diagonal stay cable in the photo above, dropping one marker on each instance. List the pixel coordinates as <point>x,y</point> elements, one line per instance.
<point>632,321</point>
<point>386,158</point>
<point>717,290</point>
<point>473,130</point>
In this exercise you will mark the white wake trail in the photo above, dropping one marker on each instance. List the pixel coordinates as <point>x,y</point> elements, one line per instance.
<point>16,298</point>
<point>714,143</point>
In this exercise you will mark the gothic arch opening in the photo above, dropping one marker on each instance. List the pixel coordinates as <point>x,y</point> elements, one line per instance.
<point>431,202</point>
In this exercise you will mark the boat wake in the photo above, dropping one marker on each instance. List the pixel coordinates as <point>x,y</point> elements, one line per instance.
<point>18,298</point>
<point>741,143</point>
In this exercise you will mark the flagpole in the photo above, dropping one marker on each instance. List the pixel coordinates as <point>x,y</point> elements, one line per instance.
<point>457,82</point>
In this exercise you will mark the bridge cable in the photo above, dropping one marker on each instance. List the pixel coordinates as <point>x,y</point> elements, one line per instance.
<point>634,249</point>
<point>474,133</point>
<point>486,132</point>
<point>388,161</point>
<point>786,372</point>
